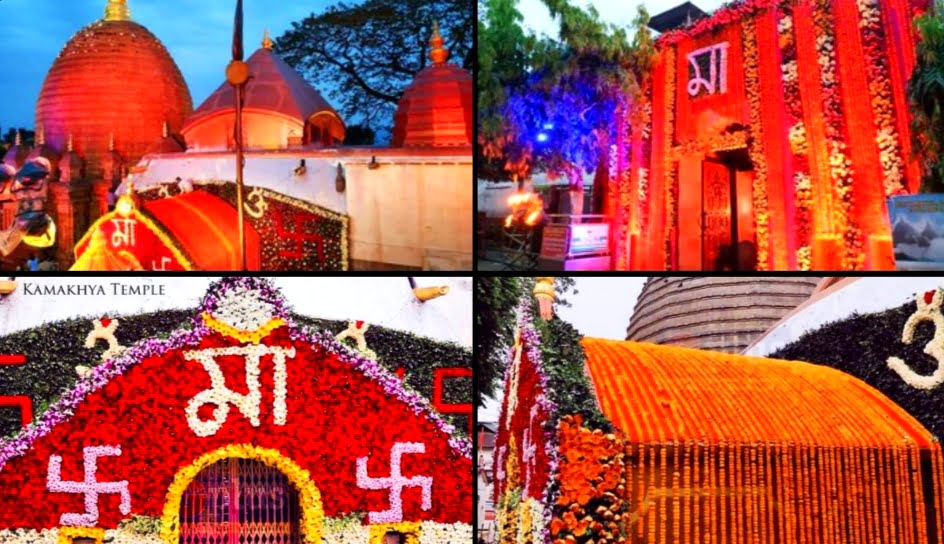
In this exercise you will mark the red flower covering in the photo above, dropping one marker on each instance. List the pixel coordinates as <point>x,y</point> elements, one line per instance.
<point>333,418</point>
<point>529,390</point>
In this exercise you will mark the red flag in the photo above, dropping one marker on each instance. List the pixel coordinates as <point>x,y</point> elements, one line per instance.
<point>238,32</point>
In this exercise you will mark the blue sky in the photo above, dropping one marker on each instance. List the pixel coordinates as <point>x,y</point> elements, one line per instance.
<point>198,34</point>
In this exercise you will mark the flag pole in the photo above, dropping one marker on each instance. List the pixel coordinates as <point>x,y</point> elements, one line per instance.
<point>237,73</point>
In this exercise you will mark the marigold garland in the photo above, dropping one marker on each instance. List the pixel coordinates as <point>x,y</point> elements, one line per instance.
<point>253,337</point>
<point>755,144</point>
<point>882,99</point>
<point>670,177</point>
<point>309,497</point>
<point>409,529</point>
<point>67,535</point>
<point>834,122</point>
<point>799,144</point>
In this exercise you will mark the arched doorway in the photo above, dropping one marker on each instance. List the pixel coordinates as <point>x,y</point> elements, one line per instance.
<point>240,501</point>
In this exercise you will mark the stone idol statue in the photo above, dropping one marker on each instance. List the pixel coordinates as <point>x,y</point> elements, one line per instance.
<point>31,225</point>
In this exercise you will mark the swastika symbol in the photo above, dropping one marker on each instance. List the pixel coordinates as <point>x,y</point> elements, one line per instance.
<point>297,236</point>
<point>395,483</point>
<point>90,487</point>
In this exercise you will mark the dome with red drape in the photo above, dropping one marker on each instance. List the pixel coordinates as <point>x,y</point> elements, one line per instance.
<point>191,231</point>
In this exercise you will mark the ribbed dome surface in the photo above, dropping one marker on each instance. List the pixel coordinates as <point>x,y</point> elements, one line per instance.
<point>113,78</point>
<point>436,109</point>
<point>716,313</point>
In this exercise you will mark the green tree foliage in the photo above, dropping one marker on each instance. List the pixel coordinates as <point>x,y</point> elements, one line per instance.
<point>926,95</point>
<point>370,52</point>
<point>504,52</point>
<point>495,301</point>
<point>576,92</point>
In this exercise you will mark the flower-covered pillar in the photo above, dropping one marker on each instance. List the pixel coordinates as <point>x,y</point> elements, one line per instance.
<point>872,182</point>
<point>663,123</point>
<point>782,237</point>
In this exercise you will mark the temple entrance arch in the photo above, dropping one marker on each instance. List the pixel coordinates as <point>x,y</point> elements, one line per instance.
<point>240,501</point>
<point>242,494</point>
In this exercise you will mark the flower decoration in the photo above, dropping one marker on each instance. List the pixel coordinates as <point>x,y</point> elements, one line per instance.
<point>755,146</point>
<point>409,529</point>
<point>929,309</point>
<point>90,487</point>
<point>67,535</point>
<point>670,166</point>
<point>243,312</point>
<point>395,483</point>
<point>221,396</point>
<point>355,331</point>
<point>104,329</point>
<point>309,497</point>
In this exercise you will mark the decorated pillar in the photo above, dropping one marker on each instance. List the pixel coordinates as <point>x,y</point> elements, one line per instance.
<point>69,208</point>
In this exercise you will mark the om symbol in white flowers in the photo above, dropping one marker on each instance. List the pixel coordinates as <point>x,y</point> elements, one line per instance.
<point>929,309</point>
<point>222,396</point>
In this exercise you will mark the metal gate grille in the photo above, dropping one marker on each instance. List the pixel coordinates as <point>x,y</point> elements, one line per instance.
<point>240,501</point>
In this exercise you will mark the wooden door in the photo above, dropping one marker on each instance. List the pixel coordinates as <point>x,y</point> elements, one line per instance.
<point>240,501</point>
<point>718,222</point>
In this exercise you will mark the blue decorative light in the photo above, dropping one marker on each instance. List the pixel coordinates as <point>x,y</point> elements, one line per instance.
<point>542,137</point>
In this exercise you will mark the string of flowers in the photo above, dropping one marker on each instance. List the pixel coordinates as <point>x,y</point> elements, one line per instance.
<point>671,179</point>
<point>880,88</point>
<point>731,14</point>
<point>755,143</point>
<point>799,145</point>
<point>840,165</point>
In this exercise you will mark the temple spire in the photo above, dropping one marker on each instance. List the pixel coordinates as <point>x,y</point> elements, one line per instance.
<point>438,54</point>
<point>40,136</point>
<point>18,141</point>
<point>266,40</point>
<point>117,10</point>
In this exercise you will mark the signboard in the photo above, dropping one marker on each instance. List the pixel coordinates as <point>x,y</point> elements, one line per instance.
<point>589,239</point>
<point>565,241</point>
<point>918,231</point>
<point>554,241</point>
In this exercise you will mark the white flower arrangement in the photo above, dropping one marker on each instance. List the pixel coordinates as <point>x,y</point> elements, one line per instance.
<point>927,311</point>
<point>90,486</point>
<point>221,396</point>
<point>101,331</point>
<point>798,140</point>
<point>789,70</point>
<point>432,532</point>
<point>243,309</point>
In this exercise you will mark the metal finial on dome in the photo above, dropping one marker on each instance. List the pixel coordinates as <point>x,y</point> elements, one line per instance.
<point>165,131</point>
<point>111,141</point>
<point>438,54</point>
<point>267,42</point>
<point>69,143</point>
<point>117,10</point>
<point>40,136</point>
<point>19,139</point>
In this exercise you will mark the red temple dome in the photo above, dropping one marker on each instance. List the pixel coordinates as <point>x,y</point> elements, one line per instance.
<point>436,109</point>
<point>114,79</point>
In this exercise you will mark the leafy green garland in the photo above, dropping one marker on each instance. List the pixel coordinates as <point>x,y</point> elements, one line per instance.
<point>860,345</point>
<point>53,351</point>
<point>564,363</point>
